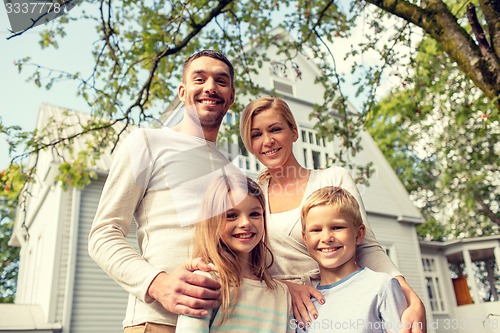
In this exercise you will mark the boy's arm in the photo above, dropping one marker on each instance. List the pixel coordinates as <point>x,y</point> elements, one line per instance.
<point>413,318</point>
<point>392,307</point>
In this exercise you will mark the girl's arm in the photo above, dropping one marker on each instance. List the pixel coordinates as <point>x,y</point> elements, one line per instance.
<point>186,324</point>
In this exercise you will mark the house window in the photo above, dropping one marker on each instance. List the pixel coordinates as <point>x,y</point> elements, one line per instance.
<point>433,284</point>
<point>283,87</point>
<point>316,159</point>
<point>390,250</point>
<point>314,148</point>
<point>243,149</point>
<point>229,118</point>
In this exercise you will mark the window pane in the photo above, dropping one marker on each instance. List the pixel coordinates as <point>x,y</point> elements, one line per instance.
<point>316,159</point>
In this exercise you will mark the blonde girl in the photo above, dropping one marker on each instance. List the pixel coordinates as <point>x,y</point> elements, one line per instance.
<point>232,237</point>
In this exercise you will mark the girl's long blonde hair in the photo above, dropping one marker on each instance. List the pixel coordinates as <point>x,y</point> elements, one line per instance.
<point>210,246</point>
<point>254,108</point>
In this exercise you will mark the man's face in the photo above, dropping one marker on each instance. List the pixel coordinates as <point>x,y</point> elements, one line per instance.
<point>207,91</point>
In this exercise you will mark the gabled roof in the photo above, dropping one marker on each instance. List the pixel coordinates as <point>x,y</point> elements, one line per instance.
<point>460,241</point>
<point>70,122</point>
<point>386,195</point>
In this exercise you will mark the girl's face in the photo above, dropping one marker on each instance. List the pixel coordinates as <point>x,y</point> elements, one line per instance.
<point>272,138</point>
<point>244,227</point>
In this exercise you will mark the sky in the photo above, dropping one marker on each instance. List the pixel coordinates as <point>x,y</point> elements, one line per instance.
<point>21,100</point>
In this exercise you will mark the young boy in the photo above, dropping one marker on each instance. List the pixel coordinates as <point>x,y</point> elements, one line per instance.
<point>357,298</point>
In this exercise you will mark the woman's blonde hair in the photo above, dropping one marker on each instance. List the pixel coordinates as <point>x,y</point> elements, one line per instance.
<point>219,199</point>
<point>254,108</point>
<point>345,203</point>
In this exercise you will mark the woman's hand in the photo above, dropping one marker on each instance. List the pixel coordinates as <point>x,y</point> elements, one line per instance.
<point>413,319</point>
<point>303,307</point>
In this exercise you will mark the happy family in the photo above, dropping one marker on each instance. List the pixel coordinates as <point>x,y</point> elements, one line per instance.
<point>219,251</point>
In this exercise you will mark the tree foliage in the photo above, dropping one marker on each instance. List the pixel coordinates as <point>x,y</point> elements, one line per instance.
<point>437,132</point>
<point>142,44</point>
<point>11,182</point>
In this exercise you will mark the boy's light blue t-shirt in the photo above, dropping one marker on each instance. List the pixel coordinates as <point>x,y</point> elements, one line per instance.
<point>364,301</point>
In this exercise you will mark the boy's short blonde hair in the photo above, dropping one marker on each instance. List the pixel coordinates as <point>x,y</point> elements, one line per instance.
<point>345,203</point>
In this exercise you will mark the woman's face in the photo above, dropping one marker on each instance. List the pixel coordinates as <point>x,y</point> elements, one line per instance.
<point>272,138</point>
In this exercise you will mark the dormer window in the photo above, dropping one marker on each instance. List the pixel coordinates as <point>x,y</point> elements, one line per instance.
<point>282,78</point>
<point>283,87</point>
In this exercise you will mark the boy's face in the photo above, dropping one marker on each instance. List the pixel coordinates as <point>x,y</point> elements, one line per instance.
<point>332,242</point>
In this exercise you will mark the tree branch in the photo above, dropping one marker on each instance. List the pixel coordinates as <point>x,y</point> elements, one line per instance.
<point>436,20</point>
<point>143,95</point>
<point>485,48</point>
<point>487,211</point>
<point>491,11</point>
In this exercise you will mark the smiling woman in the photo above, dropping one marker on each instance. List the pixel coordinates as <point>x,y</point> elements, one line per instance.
<point>269,130</point>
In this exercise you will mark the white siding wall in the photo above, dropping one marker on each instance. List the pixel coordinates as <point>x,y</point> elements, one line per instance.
<point>62,253</point>
<point>38,254</point>
<point>403,239</point>
<point>99,303</point>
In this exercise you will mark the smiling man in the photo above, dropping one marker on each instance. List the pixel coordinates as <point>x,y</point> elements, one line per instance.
<point>157,178</point>
<point>207,92</point>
